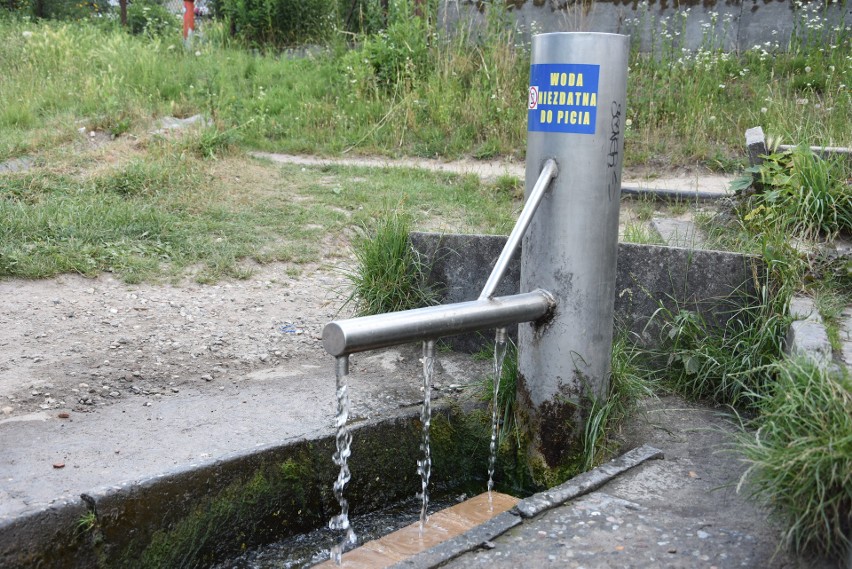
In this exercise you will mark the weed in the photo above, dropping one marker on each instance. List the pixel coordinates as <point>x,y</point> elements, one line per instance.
<point>87,522</point>
<point>728,365</point>
<point>641,233</point>
<point>506,393</point>
<point>389,275</point>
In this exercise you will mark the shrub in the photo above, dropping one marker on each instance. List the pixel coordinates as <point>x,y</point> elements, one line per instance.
<point>279,22</point>
<point>400,55</point>
<point>151,18</point>
<point>58,9</point>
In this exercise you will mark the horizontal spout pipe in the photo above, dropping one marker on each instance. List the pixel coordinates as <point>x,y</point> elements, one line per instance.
<point>343,337</point>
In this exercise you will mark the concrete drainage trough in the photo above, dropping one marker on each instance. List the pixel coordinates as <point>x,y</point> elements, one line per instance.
<point>193,515</point>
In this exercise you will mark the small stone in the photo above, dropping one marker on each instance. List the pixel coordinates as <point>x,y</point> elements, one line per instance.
<point>174,389</point>
<point>702,534</point>
<point>58,465</point>
<point>264,357</point>
<point>672,550</point>
<point>488,545</point>
<point>207,377</point>
<point>63,415</point>
<point>7,410</point>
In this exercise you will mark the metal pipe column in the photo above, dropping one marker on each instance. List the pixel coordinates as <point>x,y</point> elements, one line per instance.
<point>576,112</point>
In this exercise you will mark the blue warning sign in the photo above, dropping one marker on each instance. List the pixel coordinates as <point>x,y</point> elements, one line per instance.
<point>563,98</point>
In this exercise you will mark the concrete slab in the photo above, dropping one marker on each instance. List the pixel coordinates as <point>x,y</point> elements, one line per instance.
<point>682,512</point>
<point>678,232</point>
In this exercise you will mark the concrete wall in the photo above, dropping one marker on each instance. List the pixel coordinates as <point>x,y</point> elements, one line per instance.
<point>713,283</point>
<point>730,24</point>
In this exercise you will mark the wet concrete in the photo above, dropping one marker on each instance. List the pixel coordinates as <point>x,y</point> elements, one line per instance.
<point>680,512</point>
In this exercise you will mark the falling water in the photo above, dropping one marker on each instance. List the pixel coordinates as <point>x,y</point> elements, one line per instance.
<point>424,466</point>
<point>499,356</point>
<point>341,458</point>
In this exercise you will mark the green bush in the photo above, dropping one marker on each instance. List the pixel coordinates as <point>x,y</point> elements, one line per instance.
<point>57,9</point>
<point>279,22</point>
<point>400,55</point>
<point>151,18</point>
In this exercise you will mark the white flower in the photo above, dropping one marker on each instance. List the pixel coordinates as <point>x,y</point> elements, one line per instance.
<point>628,122</point>
<point>197,54</point>
<point>27,34</point>
<point>764,110</point>
<point>721,85</point>
<point>808,69</point>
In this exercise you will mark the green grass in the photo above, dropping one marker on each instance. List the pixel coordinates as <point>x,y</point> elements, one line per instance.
<point>388,275</point>
<point>446,97</point>
<point>629,382</point>
<point>168,213</point>
<point>801,456</point>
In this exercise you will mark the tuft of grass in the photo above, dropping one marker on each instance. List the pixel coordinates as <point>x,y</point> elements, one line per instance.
<point>389,275</point>
<point>507,393</point>
<point>628,383</point>
<point>801,456</point>
<point>729,365</point>
<point>641,233</point>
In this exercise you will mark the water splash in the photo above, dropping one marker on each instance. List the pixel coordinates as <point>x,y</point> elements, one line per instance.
<point>341,458</point>
<point>499,356</point>
<point>424,466</point>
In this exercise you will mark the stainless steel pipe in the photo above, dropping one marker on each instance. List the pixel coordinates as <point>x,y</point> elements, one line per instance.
<point>548,173</point>
<point>343,337</point>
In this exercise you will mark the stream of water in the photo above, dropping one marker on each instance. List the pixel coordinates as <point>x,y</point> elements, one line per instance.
<point>341,458</point>
<point>499,357</point>
<point>424,465</point>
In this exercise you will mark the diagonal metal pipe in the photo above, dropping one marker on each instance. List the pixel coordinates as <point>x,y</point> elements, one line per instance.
<point>548,172</point>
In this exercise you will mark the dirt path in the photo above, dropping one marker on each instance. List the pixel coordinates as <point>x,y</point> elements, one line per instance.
<point>72,343</point>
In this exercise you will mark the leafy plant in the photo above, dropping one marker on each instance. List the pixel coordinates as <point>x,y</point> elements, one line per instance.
<point>279,22</point>
<point>801,456</point>
<point>389,275</point>
<point>799,194</point>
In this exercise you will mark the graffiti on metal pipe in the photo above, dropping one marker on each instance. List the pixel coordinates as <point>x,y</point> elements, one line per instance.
<point>613,154</point>
<point>563,98</point>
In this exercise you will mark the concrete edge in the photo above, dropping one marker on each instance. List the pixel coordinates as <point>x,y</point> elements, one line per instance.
<point>807,336</point>
<point>128,515</point>
<point>528,508</point>
<point>586,482</point>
